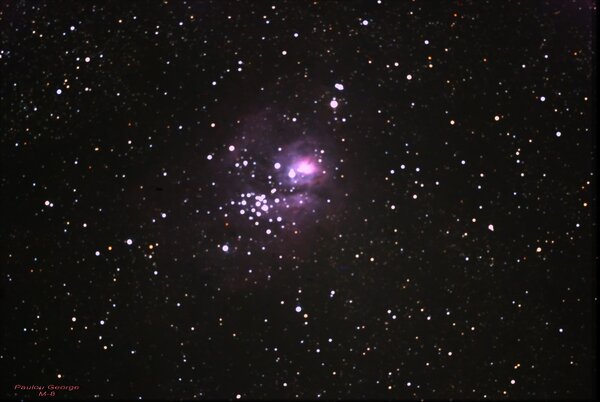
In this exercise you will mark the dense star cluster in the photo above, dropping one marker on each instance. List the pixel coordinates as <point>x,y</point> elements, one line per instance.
<point>288,182</point>
<point>298,200</point>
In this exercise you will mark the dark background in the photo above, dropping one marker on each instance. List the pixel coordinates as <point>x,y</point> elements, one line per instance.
<point>429,302</point>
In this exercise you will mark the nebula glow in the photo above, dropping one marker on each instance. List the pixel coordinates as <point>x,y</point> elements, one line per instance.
<point>306,167</point>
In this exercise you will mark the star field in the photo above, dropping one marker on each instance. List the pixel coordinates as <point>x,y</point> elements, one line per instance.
<point>298,200</point>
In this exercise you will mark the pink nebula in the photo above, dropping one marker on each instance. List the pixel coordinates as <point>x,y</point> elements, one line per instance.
<point>306,167</point>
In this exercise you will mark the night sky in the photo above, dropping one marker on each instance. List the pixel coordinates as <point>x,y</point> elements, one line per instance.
<point>298,199</point>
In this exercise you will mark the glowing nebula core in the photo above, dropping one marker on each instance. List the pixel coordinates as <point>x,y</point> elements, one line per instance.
<point>306,167</point>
